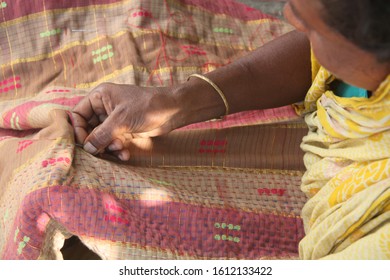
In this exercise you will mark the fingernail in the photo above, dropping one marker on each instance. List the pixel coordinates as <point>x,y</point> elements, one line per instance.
<point>90,148</point>
<point>112,147</point>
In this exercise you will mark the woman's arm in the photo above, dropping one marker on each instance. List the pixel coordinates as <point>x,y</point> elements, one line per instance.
<point>277,74</point>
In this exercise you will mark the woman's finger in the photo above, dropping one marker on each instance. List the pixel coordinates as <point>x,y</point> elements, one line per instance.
<point>116,145</point>
<point>123,155</point>
<point>80,126</point>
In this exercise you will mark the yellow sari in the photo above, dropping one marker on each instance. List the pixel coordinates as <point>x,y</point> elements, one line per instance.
<point>347,156</point>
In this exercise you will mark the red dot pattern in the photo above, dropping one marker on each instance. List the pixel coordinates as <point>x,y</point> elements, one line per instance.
<point>10,84</point>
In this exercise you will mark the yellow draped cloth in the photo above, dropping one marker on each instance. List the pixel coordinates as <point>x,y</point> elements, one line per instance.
<point>347,156</point>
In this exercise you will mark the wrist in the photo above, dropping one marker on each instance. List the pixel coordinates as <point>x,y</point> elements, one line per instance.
<point>197,101</point>
<point>216,89</point>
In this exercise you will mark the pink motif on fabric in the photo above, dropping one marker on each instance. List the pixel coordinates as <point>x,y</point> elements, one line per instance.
<point>111,207</point>
<point>182,227</point>
<point>23,145</point>
<point>4,137</point>
<point>142,14</point>
<point>57,91</point>
<point>10,84</point>
<point>270,192</point>
<point>193,50</point>
<point>285,113</point>
<point>250,9</point>
<point>115,219</point>
<point>213,146</point>
<point>133,21</point>
<point>142,19</point>
<point>22,111</point>
<point>54,161</point>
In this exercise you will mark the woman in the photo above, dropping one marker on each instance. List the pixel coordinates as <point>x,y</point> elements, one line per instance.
<point>346,108</point>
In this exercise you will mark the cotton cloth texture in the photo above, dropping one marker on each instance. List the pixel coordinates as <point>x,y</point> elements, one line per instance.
<point>217,190</point>
<point>347,156</point>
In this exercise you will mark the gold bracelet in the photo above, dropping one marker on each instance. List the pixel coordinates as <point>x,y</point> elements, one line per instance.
<point>217,89</point>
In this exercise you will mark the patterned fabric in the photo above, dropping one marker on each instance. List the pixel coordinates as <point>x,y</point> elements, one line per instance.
<point>215,190</point>
<point>348,173</point>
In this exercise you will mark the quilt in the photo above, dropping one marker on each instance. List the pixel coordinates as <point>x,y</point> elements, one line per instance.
<point>215,190</point>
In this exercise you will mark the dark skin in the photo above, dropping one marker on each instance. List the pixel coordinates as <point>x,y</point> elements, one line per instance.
<point>147,112</point>
<point>277,74</point>
<point>345,60</point>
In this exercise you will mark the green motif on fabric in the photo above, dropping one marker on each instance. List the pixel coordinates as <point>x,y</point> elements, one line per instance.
<point>226,238</point>
<point>101,50</point>
<point>160,182</point>
<point>50,33</point>
<point>6,215</point>
<point>23,244</point>
<point>228,226</point>
<point>223,30</point>
<point>103,56</point>
<point>3,5</point>
<point>16,234</point>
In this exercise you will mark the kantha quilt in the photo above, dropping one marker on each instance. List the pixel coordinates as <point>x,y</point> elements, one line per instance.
<point>216,190</point>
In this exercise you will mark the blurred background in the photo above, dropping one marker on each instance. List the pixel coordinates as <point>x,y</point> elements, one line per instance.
<point>272,7</point>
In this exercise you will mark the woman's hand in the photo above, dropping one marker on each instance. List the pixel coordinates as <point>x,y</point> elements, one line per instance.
<point>275,75</point>
<point>111,114</point>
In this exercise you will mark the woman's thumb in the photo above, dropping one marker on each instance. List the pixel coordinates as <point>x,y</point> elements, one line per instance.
<point>100,137</point>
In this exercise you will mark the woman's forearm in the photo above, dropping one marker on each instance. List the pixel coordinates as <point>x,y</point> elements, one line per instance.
<point>276,74</point>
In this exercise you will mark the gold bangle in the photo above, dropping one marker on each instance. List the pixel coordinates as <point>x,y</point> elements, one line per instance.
<point>217,89</point>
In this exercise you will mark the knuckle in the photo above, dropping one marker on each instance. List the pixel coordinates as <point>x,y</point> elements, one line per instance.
<point>121,110</point>
<point>102,88</point>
